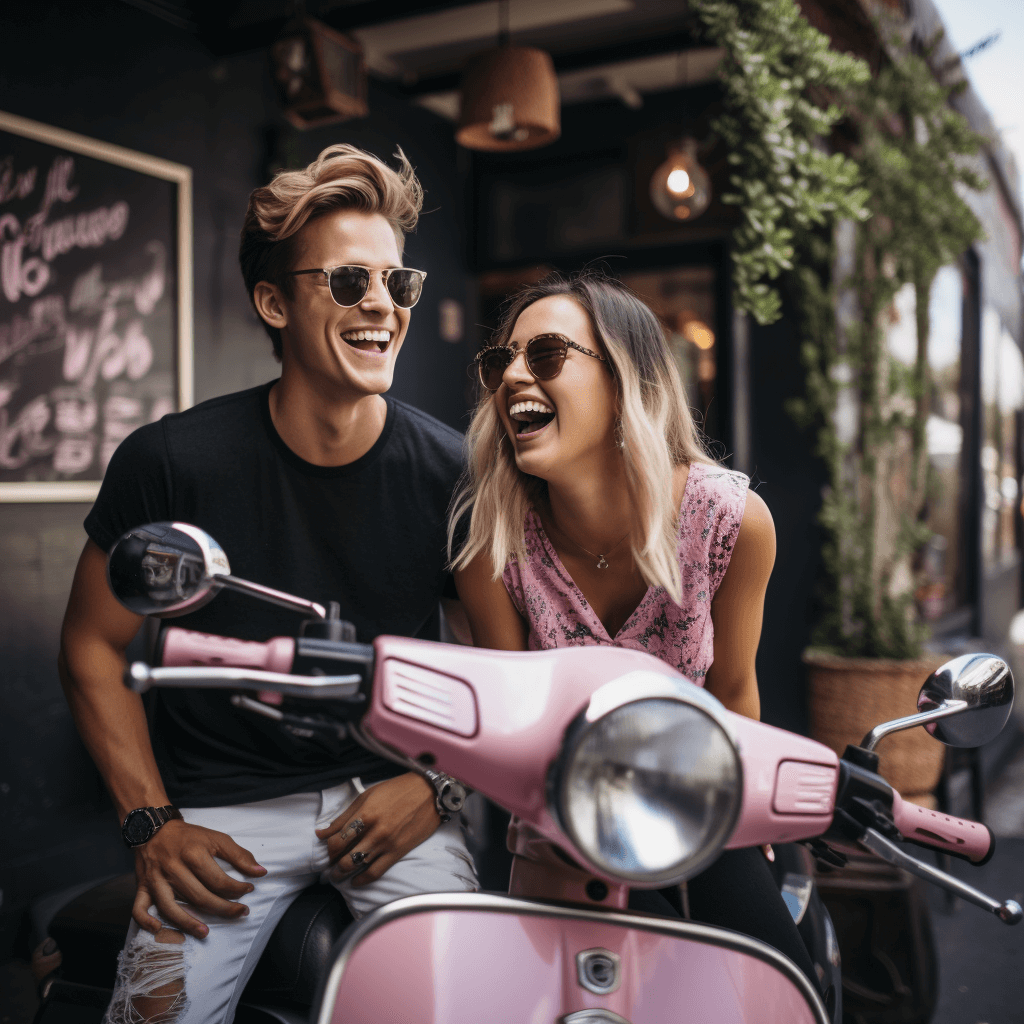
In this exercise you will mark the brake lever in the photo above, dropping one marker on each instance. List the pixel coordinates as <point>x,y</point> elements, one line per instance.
<point>1009,911</point>
<point>140,677</point>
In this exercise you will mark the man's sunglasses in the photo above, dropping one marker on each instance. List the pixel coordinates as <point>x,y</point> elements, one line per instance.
<point>545,355</point>
<point>349,284</point>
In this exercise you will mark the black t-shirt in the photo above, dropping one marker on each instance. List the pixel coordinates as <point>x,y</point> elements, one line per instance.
<point>370,535</point>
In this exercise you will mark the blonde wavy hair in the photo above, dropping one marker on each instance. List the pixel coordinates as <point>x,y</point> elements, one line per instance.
<point>342,177</point>
<point>657,430</point>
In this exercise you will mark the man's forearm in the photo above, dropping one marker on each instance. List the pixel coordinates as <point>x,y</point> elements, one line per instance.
<point>112,723</point>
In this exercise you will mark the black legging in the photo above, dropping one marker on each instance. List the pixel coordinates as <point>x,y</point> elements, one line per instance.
<point>739,892</point>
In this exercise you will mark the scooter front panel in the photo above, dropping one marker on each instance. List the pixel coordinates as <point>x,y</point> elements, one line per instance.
<point>472,958</point>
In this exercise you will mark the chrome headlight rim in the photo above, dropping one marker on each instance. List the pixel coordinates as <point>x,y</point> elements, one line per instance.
<point>638,687</point>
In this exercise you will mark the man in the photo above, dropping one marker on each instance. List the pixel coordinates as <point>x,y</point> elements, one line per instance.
<point>314,484</point>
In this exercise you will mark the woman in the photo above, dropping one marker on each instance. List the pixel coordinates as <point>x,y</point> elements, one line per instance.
<point>597,518</point>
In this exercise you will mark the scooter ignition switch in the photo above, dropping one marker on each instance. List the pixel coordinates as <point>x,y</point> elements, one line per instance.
<point>599,971</point>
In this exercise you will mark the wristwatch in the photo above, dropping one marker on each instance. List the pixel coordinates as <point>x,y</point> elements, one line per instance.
<point>451,794</point>
<point>142,824</point>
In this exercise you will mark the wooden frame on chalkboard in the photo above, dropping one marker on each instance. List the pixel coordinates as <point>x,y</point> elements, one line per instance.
<point>79,490</point>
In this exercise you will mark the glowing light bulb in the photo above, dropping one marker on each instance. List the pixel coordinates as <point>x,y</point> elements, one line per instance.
<point>699,334</point>
<point>678,181</point>
<point>680,187</point>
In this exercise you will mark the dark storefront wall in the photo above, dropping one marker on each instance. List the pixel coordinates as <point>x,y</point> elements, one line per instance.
<point>785,473</point>
<point>111,72</point>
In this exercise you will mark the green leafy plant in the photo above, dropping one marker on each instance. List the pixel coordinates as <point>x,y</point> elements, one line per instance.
<point>777,71</point>
<point>897,192</point>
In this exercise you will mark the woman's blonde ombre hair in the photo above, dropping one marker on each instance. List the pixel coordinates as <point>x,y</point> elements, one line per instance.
<point>342,177</point>
<point>657,430</point>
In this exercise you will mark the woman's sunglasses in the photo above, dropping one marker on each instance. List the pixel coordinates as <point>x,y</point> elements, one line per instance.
<point>545,355</point>
<point>349,284</point>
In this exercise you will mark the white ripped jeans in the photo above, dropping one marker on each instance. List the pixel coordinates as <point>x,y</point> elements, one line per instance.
<point>279,834</point>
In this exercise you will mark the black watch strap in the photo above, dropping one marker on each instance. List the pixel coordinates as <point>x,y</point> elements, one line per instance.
<point>165,814</point>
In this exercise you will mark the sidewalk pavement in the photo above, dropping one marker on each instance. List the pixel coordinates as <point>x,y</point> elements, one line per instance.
<point>981,960</point>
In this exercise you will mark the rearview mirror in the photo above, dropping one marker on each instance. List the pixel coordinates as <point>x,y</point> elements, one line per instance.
<point>166,569</point>
<point>964,703</point>
<point>169,569</point>
<point>985,684</point>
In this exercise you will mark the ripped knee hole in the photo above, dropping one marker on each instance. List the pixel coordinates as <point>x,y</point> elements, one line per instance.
<point>150,987</point>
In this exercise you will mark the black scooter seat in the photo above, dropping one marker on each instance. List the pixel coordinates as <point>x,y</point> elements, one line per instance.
<point>91,929</point>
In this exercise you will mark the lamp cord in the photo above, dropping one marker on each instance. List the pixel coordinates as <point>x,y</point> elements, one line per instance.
<point>503,32</point>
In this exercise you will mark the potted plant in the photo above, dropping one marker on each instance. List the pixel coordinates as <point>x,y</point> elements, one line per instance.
<point>844,232</point>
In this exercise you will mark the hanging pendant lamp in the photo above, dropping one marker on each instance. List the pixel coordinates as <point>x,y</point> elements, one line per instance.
<point>680,187</point>
<point>510,98</point>
<point>319,73</point>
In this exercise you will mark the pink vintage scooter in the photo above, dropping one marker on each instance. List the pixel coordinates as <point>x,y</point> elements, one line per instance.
<point>620,773</point>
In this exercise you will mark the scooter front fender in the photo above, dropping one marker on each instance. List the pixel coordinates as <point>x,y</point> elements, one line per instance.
<point>476,958</point>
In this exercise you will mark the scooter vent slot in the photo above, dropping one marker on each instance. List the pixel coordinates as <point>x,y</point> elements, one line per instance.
<point>432,697</point>
<point>802,788</point>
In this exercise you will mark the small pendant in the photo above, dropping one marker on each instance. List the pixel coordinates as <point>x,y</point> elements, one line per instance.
<point>603,564</point>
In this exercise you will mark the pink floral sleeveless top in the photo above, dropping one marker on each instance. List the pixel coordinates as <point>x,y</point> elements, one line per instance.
<point>558,614</point>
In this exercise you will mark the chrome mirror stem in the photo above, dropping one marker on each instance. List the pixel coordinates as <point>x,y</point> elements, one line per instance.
<point>278,597</point>
<point>944,710</point>
<point>1009,911</point>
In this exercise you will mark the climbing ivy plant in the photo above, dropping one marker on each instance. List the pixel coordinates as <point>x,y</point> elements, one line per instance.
<point>897,194</point>
<point>776,73</point>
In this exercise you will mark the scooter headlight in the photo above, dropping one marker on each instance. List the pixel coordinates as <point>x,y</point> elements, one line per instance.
<point>650,789</point>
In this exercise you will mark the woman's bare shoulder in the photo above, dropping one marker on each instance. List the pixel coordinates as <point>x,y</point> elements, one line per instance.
<point>753,554</point>
<point>758,523</point>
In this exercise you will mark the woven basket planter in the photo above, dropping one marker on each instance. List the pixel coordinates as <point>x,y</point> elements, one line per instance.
<point>848,697</point>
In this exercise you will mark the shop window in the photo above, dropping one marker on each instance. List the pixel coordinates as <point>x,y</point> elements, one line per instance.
<point>942,574</point>
<point>940,566</point>
<point>684,300</point>
<point>1002,395</point>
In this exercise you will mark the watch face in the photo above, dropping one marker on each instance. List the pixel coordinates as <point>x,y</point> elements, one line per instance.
<point>137,828</point>
<point>452,796</point>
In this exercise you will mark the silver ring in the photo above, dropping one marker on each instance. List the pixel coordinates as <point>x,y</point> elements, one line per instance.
<point>357,825</point>
<point>358,857</point>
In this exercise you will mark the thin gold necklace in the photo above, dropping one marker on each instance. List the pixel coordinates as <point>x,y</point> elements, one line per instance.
<point>602,560</point>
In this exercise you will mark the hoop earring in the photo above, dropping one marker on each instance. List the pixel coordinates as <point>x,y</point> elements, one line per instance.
<point>497,450</point>
<point>620,437</point>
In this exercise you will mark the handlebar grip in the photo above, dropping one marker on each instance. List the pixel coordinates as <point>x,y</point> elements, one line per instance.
<point>968,839</point>
<point>185,647</point>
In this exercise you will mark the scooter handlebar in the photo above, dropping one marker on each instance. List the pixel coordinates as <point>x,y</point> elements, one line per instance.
<point>968,839</point>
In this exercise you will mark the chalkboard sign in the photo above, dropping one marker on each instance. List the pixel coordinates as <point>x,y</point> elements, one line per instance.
<point>95,304</point>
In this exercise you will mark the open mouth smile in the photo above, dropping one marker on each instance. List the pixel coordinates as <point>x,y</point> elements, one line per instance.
<point>530,416</point>
<point>375,341</point>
